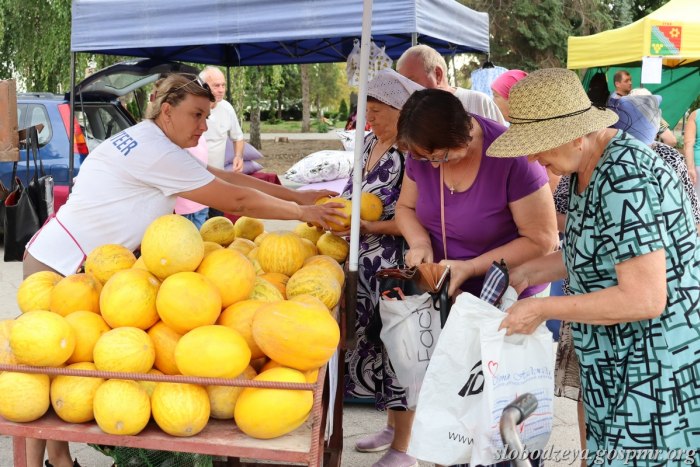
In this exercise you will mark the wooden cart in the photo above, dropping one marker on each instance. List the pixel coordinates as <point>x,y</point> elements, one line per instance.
<point>305,445</point>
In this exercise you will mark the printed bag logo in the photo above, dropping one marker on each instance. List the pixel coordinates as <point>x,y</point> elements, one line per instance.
<point>475,382</point>
<point>666,40</point>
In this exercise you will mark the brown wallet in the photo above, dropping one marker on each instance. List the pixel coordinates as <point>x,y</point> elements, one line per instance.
<point>428,276</point>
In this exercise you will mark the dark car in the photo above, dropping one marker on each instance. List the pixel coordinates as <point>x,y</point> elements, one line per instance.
<point>99,114</point>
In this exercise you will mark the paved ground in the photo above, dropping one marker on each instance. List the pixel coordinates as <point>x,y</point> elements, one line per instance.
<point>357,419</point>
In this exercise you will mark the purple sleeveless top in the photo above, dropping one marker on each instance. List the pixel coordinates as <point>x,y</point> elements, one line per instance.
<point>478,219</point>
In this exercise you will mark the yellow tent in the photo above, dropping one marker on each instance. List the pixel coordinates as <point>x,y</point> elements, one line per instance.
<point>672,31</point>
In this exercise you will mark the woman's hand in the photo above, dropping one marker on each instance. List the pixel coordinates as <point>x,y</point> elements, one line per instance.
<point>419,254</point>
<point>460,271</point>
<point>365,228</point>
<point>309,197</point>
<point>523,317</point>
<point>322,214</point>
<point>518,279</point>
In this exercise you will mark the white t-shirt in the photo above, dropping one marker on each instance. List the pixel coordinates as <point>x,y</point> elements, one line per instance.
<point>476,102</point>
<point>124,184</point>
<point>222,124</point>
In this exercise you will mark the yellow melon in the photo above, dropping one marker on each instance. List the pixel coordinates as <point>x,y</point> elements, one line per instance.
<point>219,230</point>
<point>187,300</point>
<point>313,281</point>
<point>211,246</point>
<point>309,248</point>
<point>34,293</point>
<point>253,254</point>
<point>258,240</point>
<point>75,293</point>
<point>105,260</point>
<point>222,399</point>
<point>231,272</point>
<point>308,232</point>
<point>129,299</point>
<point>87,327</point>
<point>239,317</point>
<point>269,413</point>
<point>180,409</point>
<point>310,375</point>
<point>124,349</point>
<point>264,291</point>
<point>248,227</point>
<point>121,407</point>
<point>42,338</point>
<point>309,300</point>
<point>212,351</point>
<point>329,264</point>
<point>281,252</point>
<point>295,334</point>
<point>339,224</point>
<point>72,396</point>
<point>243,245</point>
<point>277,279</point>
<point>25,396</point>
<point>333,246</point>
<point>149,386</point>
<point>171,244</point>
<point>140,264</point>
<point>164,340</point>
<point>371,207</point>
<point>6,355</point>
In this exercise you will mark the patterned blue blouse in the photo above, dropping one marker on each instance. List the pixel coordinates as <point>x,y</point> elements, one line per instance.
<point>640,379</point>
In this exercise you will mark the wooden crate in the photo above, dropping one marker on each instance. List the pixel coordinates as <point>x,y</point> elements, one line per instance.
<point>9,137</point>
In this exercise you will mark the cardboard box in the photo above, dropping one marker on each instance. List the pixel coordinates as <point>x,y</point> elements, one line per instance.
<point>9,137</point>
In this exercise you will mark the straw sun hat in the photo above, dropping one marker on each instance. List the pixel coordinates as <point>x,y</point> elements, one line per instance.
<point>547,109</point>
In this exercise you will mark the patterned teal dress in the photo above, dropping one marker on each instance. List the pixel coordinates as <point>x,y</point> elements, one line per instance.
<point>641,380</point>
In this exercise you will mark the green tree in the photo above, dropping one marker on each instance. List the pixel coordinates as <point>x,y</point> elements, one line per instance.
<point>35,44</point>
<point>532,34</point>
<point>263,84</point>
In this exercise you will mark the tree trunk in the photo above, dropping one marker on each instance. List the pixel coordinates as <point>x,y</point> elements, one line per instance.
<point>319,109</point>
<point>255,112</point>
<point>279,105</point>
<point>305,99</point>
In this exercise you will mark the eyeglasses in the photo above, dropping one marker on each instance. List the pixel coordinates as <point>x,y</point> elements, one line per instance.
<point>439,160</point>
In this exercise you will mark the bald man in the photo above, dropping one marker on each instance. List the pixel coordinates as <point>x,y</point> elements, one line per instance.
<point>222,123</point>
<point>425,66</point>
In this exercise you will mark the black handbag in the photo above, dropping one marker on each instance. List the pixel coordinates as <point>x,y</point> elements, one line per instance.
<point>21,221</point>
<point>397,283</point>
<point>40,186</point>
<point>26,207</point>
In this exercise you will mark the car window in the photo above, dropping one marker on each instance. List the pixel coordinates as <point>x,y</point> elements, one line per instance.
<point>37,115</point>
<point>100,122</point>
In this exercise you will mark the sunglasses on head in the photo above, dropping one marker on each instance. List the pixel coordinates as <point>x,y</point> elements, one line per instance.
<point>196,80</point>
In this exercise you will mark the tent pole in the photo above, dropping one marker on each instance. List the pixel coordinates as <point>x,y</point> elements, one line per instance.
<point>351,290</point>
<point>71,125</point>
<point>414,39</point>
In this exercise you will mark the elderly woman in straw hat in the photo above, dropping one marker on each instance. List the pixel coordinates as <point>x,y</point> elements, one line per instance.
<point>369,373</point>
<point>632,257</point>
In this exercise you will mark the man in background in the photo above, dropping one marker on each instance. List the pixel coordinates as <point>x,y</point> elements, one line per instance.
<point>222,124</point>
<point>622,81</point>
<point>425,66</point>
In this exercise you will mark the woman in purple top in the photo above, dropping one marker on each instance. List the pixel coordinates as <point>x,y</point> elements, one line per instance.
<point>493,208</point>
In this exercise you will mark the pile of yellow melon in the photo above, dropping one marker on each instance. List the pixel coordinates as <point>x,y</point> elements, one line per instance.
<point>226,301</point>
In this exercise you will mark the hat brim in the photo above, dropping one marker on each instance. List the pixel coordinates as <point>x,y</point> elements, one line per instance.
<point>532,138</point>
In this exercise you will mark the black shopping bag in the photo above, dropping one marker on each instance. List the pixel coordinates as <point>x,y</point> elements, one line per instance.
<point>21,222</point>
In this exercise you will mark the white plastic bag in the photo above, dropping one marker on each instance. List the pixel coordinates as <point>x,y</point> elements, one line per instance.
<point>321,166</point>
<point>473,374</point>
<point>410,330</point>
